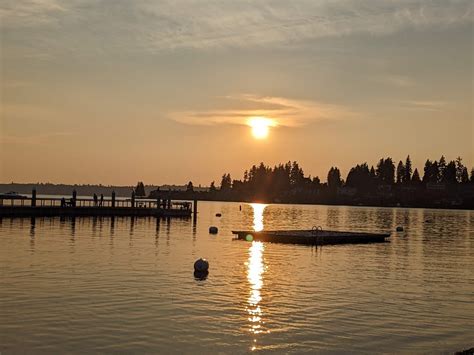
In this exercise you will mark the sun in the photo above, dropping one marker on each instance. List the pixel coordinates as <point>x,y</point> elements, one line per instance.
<point>260,126</point>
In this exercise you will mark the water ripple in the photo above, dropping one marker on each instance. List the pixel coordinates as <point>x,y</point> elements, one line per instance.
<point>126,285</point>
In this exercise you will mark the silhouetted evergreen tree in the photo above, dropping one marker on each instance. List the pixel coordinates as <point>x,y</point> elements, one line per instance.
<point>360,177</point>
<point>296,174</point>
<point>246,176</point>
<point>436,172</point>
<point>408,170</point>
<point>281,178</point>
<point>459,169</point>
<point>441,169</point>
<point>464,176</point>
<point>226,182</point>
<point>386,171</point>
<point>334,178</point>
<point>400,172</point>
<point>431,172</point>
<point>238,186</point>
<point>212,188</point>
<point>449,174</point>
<point>190,187</point>
<point>427,171</point>
<point>373,175</point>
<point>140,190</point>
<point>316,182</point>
<point>416,177</point>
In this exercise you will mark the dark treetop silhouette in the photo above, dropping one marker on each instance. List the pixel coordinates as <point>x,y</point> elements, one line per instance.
<point>443,184</point>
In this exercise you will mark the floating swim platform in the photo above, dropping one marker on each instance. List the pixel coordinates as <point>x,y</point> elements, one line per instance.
<point>312,237</point>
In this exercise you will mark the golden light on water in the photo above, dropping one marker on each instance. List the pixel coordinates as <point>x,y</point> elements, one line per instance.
<point>258,209</point>
<point>260,126</point>
<point>255,270</point>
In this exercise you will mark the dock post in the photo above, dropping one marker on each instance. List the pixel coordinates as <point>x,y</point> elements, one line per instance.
<point>195,210</point>
<point>33,198</point>
<point>113,198</point>
<point>133,198</point>
<point>158,201</point>
<point>74,198</point>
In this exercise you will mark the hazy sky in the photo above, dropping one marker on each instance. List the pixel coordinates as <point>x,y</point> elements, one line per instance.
<point>117,91</point>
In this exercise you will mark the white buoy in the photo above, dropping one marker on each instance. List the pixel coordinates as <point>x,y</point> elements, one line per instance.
<point>201,265</point>
<point>399,229</point>
<point>213,230</point>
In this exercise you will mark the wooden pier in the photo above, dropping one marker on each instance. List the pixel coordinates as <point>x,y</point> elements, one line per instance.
<point>312,237</point>
<point>25,206</point>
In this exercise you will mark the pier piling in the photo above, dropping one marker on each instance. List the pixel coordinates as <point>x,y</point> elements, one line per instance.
<point>33,198</point>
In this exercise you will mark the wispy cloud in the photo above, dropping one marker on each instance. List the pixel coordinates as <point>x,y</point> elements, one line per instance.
<point>30,13</point>
<point>396,80</point>
<point>425,105</point>
<point>282,111</point>
<point>169,24</point>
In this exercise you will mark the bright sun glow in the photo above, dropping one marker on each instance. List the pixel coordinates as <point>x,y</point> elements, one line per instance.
<point>260,126</point>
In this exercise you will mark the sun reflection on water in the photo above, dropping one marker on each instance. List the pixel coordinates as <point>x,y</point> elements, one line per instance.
<point>258,209</point>
<point>254,275</point>
<point>255,270</point>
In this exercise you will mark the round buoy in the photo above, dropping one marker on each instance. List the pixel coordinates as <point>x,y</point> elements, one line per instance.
<point>213,230</point>
<point>200,275</point>
<point>399,229</point>
<point>201,265</point>
<point>218,215</point>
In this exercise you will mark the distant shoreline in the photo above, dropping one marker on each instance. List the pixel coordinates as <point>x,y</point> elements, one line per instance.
<point>178,192</point>
<point>341,204</point>
<point>81,189</point>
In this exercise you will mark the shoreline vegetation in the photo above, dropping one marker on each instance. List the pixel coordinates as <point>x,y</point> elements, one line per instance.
<point>442,185</point>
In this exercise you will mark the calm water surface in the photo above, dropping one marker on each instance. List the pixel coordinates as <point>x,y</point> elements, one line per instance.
<point>108,285</point>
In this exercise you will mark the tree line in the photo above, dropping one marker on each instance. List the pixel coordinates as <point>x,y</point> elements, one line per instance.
<point>289,176</point>
<point>387,183</point>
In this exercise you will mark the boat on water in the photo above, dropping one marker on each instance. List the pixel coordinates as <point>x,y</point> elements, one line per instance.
<point>315,236</point>
<point>11,195</point>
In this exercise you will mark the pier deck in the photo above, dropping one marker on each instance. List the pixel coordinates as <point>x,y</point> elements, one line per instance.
<point>56,211</point>
<point>33,206</point>
<point>312,237</point>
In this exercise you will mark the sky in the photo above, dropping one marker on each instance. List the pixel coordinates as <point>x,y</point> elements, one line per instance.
<point>118,91</point>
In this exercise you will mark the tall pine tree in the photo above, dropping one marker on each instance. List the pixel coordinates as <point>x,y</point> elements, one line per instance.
<point>408,171</point>
<point>400,172</point>
<point>416,177</point>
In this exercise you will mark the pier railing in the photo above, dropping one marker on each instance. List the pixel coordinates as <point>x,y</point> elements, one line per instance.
<point>90,202</point>
<point>12,204</point>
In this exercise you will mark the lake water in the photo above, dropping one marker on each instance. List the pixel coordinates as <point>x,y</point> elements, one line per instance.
<point>127,285</point>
